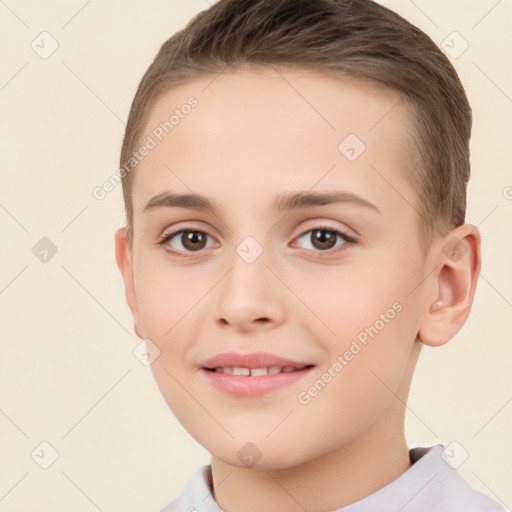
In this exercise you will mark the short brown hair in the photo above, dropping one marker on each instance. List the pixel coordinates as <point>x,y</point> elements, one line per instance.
<point>356,38</point>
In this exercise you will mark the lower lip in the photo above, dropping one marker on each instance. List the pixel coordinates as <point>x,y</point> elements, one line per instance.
<point>249,386</point>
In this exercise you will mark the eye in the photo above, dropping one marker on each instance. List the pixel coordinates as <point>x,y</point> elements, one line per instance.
<point>191,240</point>
<point>321,239</point>
<point>324,238</point>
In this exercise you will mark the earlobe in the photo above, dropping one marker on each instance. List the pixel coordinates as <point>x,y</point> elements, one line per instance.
<point>124,261</point>
<point>453,286</point>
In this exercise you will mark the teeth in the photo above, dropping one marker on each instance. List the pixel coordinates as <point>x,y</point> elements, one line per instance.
<point>241,371</point>
<point>272,370</point>
<point>259,371</point>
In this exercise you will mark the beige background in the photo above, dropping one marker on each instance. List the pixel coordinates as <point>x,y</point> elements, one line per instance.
<point>67,372</point>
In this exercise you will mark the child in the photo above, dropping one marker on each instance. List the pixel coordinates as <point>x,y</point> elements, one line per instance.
<point>320,152</point>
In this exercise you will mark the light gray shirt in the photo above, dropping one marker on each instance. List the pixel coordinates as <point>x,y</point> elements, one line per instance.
<point>429,485</point>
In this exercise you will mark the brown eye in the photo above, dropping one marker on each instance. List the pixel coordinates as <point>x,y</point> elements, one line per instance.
<point>188,241</point>
<point>322,239</point>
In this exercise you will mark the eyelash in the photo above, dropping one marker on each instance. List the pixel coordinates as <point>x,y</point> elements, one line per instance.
<point>344,236</point>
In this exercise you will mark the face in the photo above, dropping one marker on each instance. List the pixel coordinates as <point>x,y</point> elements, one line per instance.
<point>333,283</point>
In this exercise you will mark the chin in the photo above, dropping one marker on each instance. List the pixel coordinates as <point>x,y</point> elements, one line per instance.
<point>259,455</point>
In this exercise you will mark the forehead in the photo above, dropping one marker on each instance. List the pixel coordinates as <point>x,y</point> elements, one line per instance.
<point>254,130</point>
<point>326,101</point>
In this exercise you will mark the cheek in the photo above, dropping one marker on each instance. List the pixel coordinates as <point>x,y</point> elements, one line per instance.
<point>168,310</point>
<point>166,305</point>
<point>368,317</point>
<point>349,298</point>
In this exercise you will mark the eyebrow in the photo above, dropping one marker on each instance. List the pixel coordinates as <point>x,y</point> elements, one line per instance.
<point>282,202</point>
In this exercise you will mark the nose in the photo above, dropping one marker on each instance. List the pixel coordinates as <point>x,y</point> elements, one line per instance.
<point>250,296</point>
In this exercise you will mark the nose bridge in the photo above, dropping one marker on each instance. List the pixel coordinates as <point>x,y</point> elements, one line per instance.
<point>250,290</point>
<point>250,249</point>
<point>249,267</point>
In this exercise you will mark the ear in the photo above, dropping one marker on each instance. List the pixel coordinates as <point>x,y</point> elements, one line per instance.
<point>453,285</point>
<point>124,260</point>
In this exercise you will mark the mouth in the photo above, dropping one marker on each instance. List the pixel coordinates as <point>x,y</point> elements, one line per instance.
<point>252,374</point>
<point>252,383</point>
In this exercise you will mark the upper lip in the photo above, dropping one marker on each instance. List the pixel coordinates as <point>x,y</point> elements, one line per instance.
<point>250,360</point>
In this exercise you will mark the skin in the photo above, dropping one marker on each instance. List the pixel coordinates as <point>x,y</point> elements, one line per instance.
<point>253,136</point>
